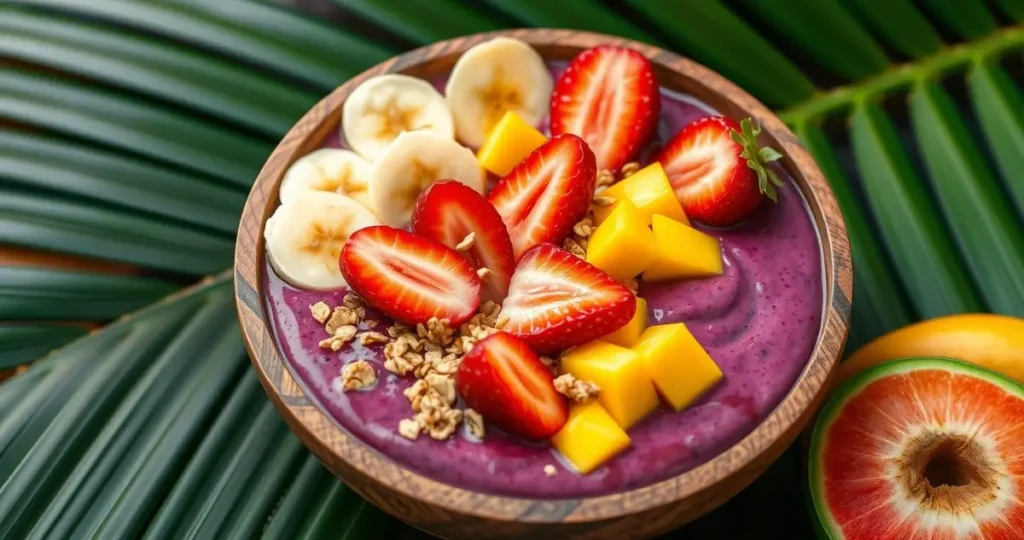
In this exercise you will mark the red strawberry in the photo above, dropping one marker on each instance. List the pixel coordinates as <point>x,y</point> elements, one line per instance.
<point>609,96</point>
<point>410,278</point>
<point>557,300</point>
<point>448,211</point>
<point>718,170</point>
<point>546,193</point>
<point>504,381</point>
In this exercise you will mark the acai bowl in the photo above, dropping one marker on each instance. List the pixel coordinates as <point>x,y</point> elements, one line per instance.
<point>543,282</point>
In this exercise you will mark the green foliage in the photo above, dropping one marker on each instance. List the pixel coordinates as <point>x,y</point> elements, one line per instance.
<point>130,131</point>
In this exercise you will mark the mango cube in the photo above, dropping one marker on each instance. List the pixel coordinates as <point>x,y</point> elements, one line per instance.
<point>626,391</point>
<point>622,246</point>
<point>683,252</point>
<point>681,368</point>
<point>648,189</point>
<point>590,437</point>
<point>629,335</point>
<point>511,140</point>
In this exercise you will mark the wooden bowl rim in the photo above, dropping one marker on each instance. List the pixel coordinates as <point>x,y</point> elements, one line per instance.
<point>357,463</point>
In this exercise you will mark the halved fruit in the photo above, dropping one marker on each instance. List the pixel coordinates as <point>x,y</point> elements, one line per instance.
<point>410,278</point>
<point>921,448</point>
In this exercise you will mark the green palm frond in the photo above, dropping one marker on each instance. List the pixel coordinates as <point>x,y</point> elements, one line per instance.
<point>130,132</point>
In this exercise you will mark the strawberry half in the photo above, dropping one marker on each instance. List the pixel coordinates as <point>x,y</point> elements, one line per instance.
<point>504,381</point>
<point>718,171</point>
<point>447,212</point>
<point>410,278</point>
<point>547,193</point>
<point>609,96</point>
<point>557,300</point>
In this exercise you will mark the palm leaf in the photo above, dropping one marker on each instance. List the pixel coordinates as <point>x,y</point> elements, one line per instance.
<point>131,131</point>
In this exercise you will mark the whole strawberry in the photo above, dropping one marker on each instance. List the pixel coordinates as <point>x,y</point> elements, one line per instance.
<point>718,170</point>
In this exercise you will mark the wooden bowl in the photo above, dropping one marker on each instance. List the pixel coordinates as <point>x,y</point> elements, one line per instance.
<point>453,512</point>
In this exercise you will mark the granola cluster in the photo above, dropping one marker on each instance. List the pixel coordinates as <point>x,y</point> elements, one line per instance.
<point>575,389</point>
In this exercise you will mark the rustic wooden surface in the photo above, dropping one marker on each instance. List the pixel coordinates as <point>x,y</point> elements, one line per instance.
<point>457,513</point>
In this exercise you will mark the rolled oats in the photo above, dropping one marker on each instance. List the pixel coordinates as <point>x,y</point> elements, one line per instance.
<point>550,470</point>
<point>629,169</point>
<point>584,228</point>
<point>358,375</point>
<point>575,389</point>
<point>474,423</point>
<point>342,316</point>
<point>410,428</point>
<point>320,312</point>
<point>466,242</point>
<point>342,335</point>
<point>370,338</point>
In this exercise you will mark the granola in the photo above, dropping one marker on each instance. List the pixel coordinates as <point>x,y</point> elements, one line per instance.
<point>358,375</point>
<point>474,423</point>
<point>370,338</point>
<point>550,470</point>
<point>575,389</point>
<point>320,312</point>
<point>342,316</point>
<point>340,337</point>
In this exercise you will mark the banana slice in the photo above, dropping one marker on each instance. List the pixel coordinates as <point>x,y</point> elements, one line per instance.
<point>414,161</point>
<point>491,78</point>
<point>382,107</point>
<point>328,169</point>
<point>305,235</point>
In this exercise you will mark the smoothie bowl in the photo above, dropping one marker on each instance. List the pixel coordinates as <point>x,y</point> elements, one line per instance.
<point>543,282</point>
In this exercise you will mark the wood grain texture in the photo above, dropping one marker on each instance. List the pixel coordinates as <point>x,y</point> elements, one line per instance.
<point>457,513</point>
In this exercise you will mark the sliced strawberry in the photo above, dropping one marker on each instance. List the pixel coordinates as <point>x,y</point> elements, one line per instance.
<point>609,96</point>
<point>448,211</point>
<point>718,171</point>
<point>557,300</point>
<point>410,278</point>
<point>547,193</point>
<point>504,381</point>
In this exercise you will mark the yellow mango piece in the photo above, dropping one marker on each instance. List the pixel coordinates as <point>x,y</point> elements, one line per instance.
<point>681,368</point>
<point>626,390</point>
<point>683,252</point>
<point>622,246</point>
<point>648,189</point>
<point>590,437</point>
<point>511,140</point>
<point>628,335</point>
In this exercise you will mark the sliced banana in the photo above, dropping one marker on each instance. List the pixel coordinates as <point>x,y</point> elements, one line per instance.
<point>414,161</point>
<point>305,236</point>
<point>491,78</point>
<point>382,107</point>
<point>328,169</point>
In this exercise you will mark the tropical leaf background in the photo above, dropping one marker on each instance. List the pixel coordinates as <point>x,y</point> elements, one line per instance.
<point>130,131</point>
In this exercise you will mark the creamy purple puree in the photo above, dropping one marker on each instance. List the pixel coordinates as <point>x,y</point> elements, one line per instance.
<point>759,322</point>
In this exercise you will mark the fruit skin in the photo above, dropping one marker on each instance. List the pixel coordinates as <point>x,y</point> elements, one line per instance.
<point>630,76</point>
<point>367,262</point>
<point>590,303</point>
<point>826,528</point>
<point>506,382</point>
<point>546,193</point>
<point>623,246</point>
<point>511,140</point>
<point>718,171</point>
<point>988,340</point>
<point>447,211</point>
<point>590,437</point>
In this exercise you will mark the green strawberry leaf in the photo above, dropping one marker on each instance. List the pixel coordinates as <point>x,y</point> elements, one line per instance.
<point>757,157</point>
<point>769,154</point>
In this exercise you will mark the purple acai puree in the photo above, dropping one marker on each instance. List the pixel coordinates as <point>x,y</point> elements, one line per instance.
<point>759,322</point>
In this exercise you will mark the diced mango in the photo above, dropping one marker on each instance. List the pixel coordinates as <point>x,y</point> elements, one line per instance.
<point>681,368</point>
<point>622,246</point>
<point>590,437</point>
<point>626,390</point>
<point>511,140</point>
<point>629,335</point>
<point>650,191</point>
<point>683,252</point>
